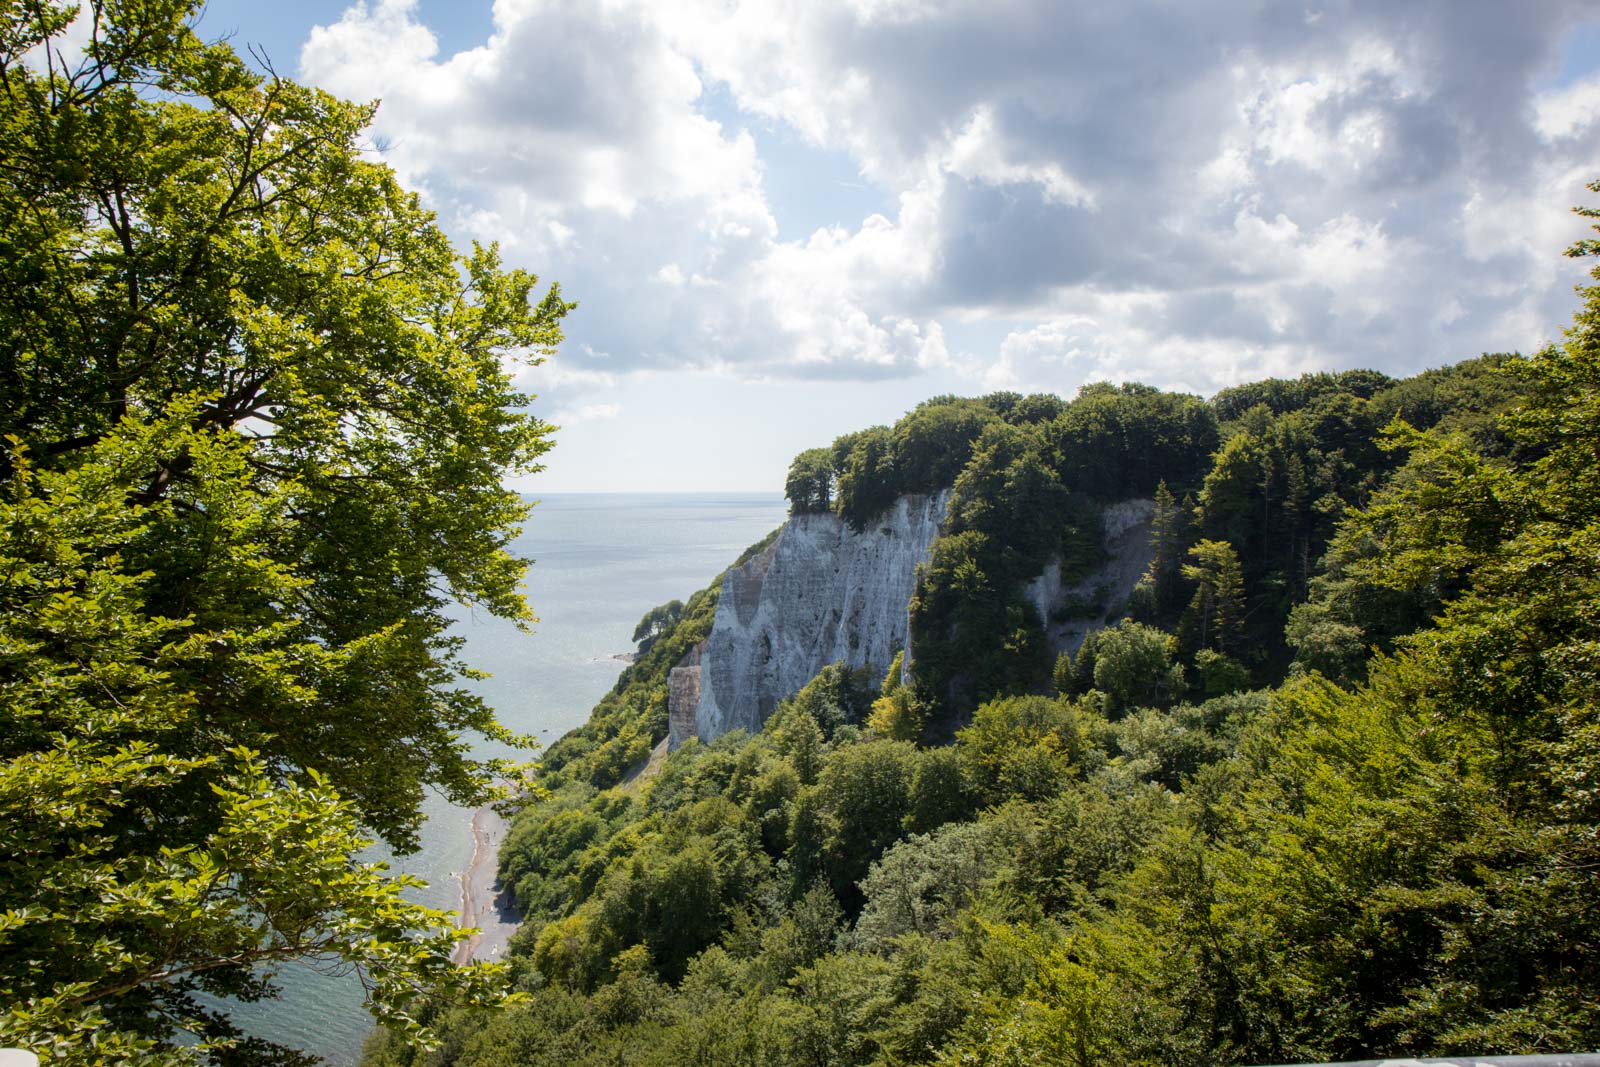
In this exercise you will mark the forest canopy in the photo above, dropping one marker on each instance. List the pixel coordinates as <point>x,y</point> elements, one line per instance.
<point>255,414</point>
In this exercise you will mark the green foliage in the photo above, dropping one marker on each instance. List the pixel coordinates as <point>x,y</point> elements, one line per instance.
<point>865,796</point>
<point>1112,443</point>
<point>1470,397</point>
<point>810,484</point>
<point>1169,542</point>
<point>898,716</point>
<point>1006,518</point>
<point>1216,613</point>
<point>894,677</point>
<point>807,933</point>
<point>1168,746</point>
<point>1057,1015</point>
<point>1030,494</point>
<point>1021,746</point>
<point>867,479</point>
<point>1220,674</point>
<point>1133,666</point>
<point>934,443</point>
<point>837,696</point>
<point>1289,472</point>
<point>113,933</point>
<point>1284,395</point>
<point>922,884</point>
<point>257,417</point>
<point>1074,671</point>
<point>939,791</point>
<point>657,622</point>
<point>862,473</point>
<point>1384,576</point>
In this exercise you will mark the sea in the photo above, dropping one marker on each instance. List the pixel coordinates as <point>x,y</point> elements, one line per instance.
<point>600,561</point>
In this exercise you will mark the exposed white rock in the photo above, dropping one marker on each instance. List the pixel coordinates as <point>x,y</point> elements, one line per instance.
<point>683,695</point>
<point>1070,612</point>
<point>821,593</point>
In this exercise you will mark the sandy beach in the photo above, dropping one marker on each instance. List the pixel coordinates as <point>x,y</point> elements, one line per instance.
<point>483,904</point>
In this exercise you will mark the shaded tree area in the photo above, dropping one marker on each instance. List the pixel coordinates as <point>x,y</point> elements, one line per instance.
<point>861,474</point>
<point>810,484</point>
<point>657,623</point>
<point>1287,474</point>
<point>1280,396</point>
<point>1030,494</point>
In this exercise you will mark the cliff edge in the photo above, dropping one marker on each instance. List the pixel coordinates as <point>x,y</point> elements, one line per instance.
<point>1069,610</point>
<point>821,593</point>
<point>825,593</point>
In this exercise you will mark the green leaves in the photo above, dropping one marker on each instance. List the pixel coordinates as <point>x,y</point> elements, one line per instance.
<point>145,865</point>
<point>258,413</point>
<point>1216,613</point>
<point>118,932</point>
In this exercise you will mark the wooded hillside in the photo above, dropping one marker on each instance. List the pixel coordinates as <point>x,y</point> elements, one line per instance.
<point>1330,790</point>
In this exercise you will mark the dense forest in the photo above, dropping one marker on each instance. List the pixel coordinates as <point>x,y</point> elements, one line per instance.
<point>1329,789</point>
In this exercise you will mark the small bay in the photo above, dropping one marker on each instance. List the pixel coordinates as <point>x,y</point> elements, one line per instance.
<point>601,560</point>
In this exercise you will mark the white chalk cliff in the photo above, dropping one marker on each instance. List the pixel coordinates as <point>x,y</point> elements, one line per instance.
<point>1069,610</point>
<point>821,593</point>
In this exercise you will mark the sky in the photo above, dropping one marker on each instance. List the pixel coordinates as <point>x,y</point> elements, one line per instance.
<point>784,220</point>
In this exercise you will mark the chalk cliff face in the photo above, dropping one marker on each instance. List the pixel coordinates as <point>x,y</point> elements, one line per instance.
<point>683,696</point>
<point>821,593</point>
<point>1070,610</point>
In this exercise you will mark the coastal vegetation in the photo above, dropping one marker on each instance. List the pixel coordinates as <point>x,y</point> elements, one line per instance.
<point>1327,791</point>
<point>255,414</point>
<point>1326,787</point>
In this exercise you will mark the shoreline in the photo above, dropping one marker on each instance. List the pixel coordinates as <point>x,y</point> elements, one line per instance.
<point>482,904</point>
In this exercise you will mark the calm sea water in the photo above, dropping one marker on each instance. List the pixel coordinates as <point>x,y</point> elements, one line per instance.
<point>601,561</point>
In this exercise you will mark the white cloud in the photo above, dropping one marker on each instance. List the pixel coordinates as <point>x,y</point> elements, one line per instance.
<point>585,108</point>
<point>1570,111</point>
<point>1293,112</point>
<point>575,137</point>
<point>1122,339</point>
<point>979,153</point>
<point>586,413</point>
<point>1234,195</point>
<point>556,375</point>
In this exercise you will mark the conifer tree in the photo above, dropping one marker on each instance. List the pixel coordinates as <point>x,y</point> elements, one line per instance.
<point>1216,612</point>
<point>1168,531</point>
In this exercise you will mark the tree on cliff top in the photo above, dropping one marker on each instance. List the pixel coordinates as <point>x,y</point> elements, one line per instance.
<point>256,420</point>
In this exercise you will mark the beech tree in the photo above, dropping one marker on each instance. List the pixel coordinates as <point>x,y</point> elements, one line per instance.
<point>810,483</point>
<point>256,415</point>
<point>657,623</point>
<point>1133,666</point>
